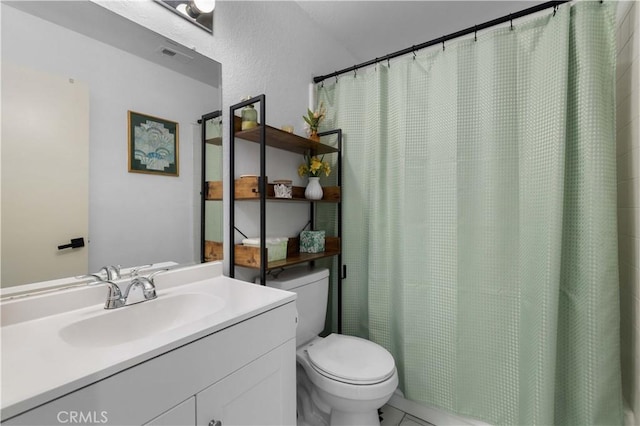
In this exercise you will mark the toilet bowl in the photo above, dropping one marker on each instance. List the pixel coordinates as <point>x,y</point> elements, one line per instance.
<point>341,380</point>
<point>352,376</point>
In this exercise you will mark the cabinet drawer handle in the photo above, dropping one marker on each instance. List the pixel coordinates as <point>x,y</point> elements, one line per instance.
<point>215,423</point>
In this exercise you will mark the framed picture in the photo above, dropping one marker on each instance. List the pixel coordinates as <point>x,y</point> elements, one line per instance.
<point>153,145</point>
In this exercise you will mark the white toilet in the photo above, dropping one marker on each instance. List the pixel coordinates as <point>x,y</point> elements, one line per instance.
<point>341,380</point>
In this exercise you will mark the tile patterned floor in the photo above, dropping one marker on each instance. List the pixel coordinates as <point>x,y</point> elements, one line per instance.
<point>393,417</point>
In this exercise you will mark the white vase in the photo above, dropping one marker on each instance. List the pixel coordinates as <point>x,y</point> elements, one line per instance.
<point>314,190</point>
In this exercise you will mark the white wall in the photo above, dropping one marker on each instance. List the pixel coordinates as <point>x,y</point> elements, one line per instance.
<point>134,218</point>
<point>275,49</point>
<point>628,154</point>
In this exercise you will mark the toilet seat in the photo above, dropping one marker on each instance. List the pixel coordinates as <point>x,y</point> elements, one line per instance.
<point>351,360</point>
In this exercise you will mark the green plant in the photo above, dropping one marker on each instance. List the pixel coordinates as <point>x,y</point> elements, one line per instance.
<point>313,118</point>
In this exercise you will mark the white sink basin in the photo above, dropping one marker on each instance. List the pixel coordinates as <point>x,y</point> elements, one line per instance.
<point>142,320</point>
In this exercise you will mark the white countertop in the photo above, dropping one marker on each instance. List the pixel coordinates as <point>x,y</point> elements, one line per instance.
<point>38,365</point>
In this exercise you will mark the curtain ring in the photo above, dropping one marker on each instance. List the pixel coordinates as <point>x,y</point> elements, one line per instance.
<point>475,33</point>
<point>443,38</point>
<point>355,73</point>
<point>336,77</point>
<point>555,9</point>
<point>511,22</point>
<point>322,84</point>
<point>388,62</point>
<point>414,52</point>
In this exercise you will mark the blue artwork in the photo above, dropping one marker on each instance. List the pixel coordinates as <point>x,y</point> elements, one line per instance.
<point>153,145</point>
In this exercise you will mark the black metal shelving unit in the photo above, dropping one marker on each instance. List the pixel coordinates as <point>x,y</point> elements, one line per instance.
<point>267,136</point>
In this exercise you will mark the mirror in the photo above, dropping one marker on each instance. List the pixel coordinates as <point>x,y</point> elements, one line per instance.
<point>133,218</point>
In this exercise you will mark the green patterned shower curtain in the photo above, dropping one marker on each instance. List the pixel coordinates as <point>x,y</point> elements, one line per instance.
<point>480,219</point>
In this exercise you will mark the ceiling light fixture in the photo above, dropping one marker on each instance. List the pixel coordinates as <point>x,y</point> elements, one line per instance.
<point>196,8</point>
<point>182,8</point>
<point>198,12</point>
<point>204,6</point>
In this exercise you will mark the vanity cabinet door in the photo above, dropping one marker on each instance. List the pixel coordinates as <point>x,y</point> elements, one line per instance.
<point>183,414</point>
<point>261,393</point>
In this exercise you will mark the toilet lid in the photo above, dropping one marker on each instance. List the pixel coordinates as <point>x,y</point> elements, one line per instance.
<point>351,359</point>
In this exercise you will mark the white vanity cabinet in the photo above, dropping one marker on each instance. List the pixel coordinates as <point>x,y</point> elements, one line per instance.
<point>241,375</point>
<point>182,414</point>
<point>254,395</point>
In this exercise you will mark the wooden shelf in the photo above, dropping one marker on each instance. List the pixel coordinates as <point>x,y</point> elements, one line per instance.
<point>213,251</point>
<point>249,257</point>
<point>247,189</point>
<point>280,139</point>
<point>214,191</point>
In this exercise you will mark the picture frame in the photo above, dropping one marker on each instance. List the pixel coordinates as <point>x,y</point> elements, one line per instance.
<point>153,144</point>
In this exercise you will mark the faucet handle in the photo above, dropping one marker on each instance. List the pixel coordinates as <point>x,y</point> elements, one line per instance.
<point>114,296</point>
<point>97,277</point>
<point>145,284</point>
<point>115,269</point>
<point>134,271</point>
<point>153,274</point>
<point>112,272</point>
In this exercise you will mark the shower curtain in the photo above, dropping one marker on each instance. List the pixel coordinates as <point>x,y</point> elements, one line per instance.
<point>480,219</point>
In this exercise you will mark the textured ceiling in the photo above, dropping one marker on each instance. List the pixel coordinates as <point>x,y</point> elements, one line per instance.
<point>370,29</point>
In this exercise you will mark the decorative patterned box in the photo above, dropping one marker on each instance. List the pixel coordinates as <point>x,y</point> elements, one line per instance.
<point>311,241</point>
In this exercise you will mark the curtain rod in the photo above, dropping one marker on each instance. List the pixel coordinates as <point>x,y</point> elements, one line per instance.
<point>445,38</point>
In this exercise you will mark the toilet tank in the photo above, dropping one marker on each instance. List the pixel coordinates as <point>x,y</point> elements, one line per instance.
<point>312,287</point>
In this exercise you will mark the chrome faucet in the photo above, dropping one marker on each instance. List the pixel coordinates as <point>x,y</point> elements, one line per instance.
<point>111,272</point>
<point>114,296</point>
<point>96,277</point>
<point>148,289</point>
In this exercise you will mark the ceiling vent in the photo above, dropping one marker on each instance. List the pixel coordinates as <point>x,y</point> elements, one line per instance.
<point>172,53</point>
<point>168,52</point>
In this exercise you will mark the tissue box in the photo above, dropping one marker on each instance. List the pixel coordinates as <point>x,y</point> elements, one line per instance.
<point>311,241</point>
<point>276,247</point>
